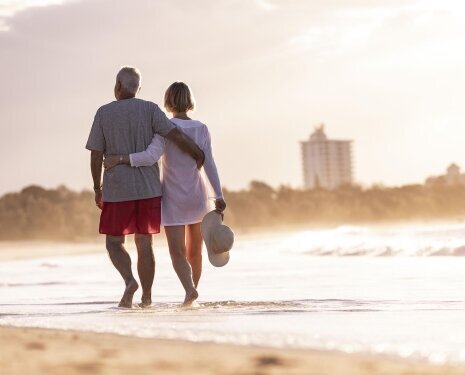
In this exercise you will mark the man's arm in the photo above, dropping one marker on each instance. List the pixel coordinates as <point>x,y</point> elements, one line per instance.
<point>96,162</point>
<point>187,145</point>
<point>163,126</point>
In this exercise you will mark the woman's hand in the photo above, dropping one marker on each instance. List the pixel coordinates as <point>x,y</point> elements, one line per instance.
<point>111,161</point>
<point>220,206</point>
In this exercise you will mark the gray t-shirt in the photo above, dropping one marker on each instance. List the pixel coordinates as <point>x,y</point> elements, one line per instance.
<point>125,127</point>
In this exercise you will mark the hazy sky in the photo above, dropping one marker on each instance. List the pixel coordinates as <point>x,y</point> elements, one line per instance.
<point>389,75</point>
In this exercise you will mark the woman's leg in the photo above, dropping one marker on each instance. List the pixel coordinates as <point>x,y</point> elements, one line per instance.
<point>194,251</point>
<point>176,237</point>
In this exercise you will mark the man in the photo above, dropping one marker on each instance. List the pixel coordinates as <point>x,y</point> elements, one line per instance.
<point>130,197</point>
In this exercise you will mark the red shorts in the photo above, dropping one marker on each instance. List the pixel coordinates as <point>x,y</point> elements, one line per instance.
<point>140,216</point>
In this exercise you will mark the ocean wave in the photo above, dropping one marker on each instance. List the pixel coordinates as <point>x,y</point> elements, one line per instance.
<point>328,305</point>
<point>439,240</point>
<point>45,283</point>
<point>386,251</point>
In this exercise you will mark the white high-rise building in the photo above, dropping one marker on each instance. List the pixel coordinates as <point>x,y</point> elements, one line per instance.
<point>326,163</point>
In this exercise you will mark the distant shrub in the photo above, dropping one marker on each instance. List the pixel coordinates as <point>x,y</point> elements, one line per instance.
<point>36,213</point>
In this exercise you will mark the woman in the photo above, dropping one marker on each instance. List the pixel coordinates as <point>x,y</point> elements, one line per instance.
<point>185,197</point>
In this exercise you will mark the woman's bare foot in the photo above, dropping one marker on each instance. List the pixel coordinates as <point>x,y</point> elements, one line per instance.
<point>146,302</point>
<point>190,298</point>
<point>131,288</point>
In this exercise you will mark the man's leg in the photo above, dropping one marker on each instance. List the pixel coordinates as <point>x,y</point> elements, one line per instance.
<point>122,262</point>
<point>145,266</point>
<point>194,251</point>
<point>176,243</point>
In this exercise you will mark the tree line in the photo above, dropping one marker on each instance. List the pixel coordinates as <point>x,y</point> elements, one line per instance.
<point>36,213</point>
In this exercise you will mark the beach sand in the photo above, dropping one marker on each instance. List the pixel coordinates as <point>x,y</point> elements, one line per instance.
<point>38,351</point>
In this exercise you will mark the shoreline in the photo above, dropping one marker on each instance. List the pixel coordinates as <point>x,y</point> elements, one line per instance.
<point>73,352</point>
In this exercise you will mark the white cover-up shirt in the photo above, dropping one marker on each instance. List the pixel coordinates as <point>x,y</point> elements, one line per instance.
<point>185,195</point>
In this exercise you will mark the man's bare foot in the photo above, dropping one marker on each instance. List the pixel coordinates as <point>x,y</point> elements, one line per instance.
<point>131,288</point>
<point>146,302</point>
<point>190,298</point>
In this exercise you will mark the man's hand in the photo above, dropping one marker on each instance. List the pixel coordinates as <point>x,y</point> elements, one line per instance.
<point>201,160</point>
<point>111,161</point>
<point>98,198</point>
<point>220,206</point>
<point>187,145</point>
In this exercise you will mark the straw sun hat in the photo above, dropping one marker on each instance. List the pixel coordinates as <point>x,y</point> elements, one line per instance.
<point>218,238</point>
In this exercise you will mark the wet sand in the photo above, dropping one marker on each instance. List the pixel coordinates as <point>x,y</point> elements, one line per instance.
<point>38,351</point>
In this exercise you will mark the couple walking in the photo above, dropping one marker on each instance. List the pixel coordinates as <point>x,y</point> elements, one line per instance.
<point>132,134</point>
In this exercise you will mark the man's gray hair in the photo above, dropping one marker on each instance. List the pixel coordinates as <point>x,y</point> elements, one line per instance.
<point>130,79</point>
